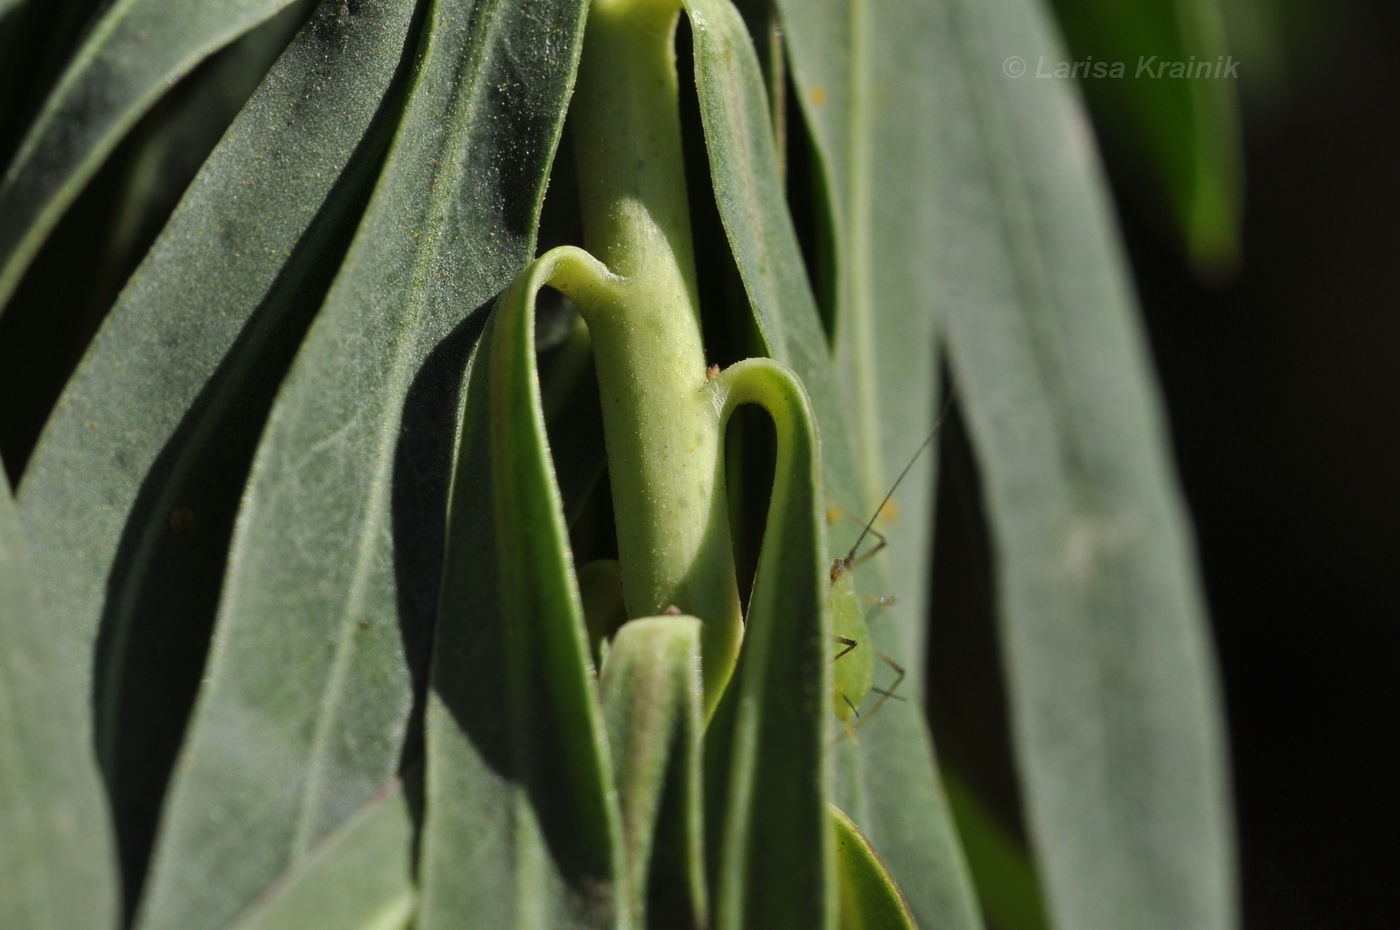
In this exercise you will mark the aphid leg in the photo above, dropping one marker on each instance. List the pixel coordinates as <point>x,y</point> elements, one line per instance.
<point>851,560</point>
<point>880,543</point>
<point>849,644</point>
<point>886,693</point>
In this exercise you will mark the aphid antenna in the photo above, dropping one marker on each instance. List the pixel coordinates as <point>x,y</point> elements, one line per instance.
<point>846,563</point>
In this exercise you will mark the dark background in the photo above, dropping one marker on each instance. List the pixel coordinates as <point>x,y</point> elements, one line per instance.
<point>1281,387</point>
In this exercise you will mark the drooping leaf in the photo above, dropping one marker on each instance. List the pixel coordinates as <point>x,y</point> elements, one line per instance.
<point>769,838</point>
<point>522,826</point>
<point>57,865</point>
<point>748,189</point>
<point>865,82</point>
<point>130,496</point>
<point>360,877</point>
<point>1114,710</point>
<point>335,562</point>
<point>132,54</point>
<point>860,70</point>
<point>653,705</point>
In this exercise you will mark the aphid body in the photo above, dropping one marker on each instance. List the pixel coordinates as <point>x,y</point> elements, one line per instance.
<point>853,671</point>
<point>853,664</point>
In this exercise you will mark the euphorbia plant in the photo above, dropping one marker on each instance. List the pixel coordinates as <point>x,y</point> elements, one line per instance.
<point>664,412</point>
<point>433,696</point>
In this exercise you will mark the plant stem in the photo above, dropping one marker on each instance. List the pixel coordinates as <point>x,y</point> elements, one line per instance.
<point>659,417</point>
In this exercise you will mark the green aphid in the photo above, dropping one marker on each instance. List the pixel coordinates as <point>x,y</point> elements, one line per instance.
<point>853,671</point>
<point>853,665</point>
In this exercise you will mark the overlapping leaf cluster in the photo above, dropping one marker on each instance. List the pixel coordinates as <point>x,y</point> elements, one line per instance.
<point>222,568</point>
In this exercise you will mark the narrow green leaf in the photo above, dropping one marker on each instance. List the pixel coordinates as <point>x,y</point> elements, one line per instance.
<point>862,73</point>
<point>748,188</point>
<point>336,557</point>
<point>130,496</point>
<point>1114,708</point>
<point>770,839</point>
<point>866,85</point>
<point>360,877</point>
<point>152,170</point>
<point>36,41</point>
<point>653,705</point>
<point>57,865</point>
<point>522,826</point>
<point>870,899</point>
<point>131,56</point>
<point>1173,105</point>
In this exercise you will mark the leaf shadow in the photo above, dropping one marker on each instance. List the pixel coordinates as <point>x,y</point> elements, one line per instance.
<point>153,637</point>
<point>423,461</point>
<point>167,574</point>
<point>164,586</point>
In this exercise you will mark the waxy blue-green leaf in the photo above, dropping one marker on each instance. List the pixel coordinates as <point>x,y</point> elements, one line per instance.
<point>870,899</point>
<point>769,838</point>
<point>360,877</point>
<point>1113,701</point>
<point>155,167</point>
<point>864,79</point>
<point>57,864</point>
<point>653,706</point>
<point>334,568</point>
<point>522,826</point>
<point>132,55</point>
<point>887,387</point>
<point>130,496</point>
<point>748,189</point>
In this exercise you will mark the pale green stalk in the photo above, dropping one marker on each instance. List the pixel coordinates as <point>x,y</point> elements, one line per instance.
<point>660,422</point>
